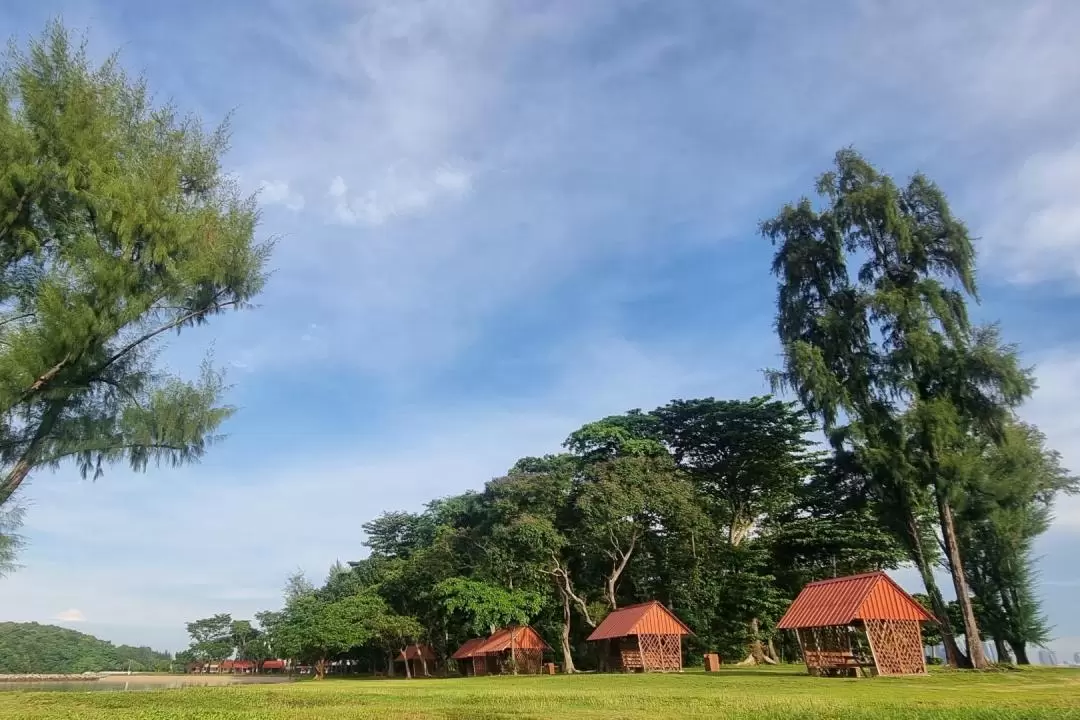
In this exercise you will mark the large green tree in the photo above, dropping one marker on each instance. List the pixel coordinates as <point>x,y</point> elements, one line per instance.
<point>872,318</point>
<point>211,638</point>
<point>118,227</point>
<point>1011,488</point>
<point>747,461</point>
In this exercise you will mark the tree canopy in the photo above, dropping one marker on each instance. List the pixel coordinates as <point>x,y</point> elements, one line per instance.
<point>118,227</point>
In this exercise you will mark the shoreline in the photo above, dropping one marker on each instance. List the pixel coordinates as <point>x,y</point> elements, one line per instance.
<point>164,679</point>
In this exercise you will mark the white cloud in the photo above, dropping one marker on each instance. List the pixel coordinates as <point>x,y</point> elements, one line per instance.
<point>278,193</point>
<point>338,188</point>
<point>73,616</point>
<point>399,193</point>
<point>1054,409</point>
<point>1036,233</point>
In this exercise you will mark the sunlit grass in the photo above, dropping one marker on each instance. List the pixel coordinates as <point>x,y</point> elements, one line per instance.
<point>734,693</point>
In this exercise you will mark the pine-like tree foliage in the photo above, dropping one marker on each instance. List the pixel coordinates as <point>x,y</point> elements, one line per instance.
<point>872,317</point>
<point>117,226</point>
<point>1008,502</point>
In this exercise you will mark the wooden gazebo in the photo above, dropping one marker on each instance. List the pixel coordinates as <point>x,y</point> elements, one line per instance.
<point>418,660</point>
<point>646,637</point>
<point>515,645</point>
<point>860,622</point>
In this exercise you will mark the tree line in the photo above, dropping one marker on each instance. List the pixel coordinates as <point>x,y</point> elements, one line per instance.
<point>720,509</point>
<point>27,648</point>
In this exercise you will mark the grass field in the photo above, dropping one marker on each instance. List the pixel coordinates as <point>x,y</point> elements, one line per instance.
<point>736,693</point>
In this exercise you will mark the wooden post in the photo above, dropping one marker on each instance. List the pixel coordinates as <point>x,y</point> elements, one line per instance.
<point>873,648</point>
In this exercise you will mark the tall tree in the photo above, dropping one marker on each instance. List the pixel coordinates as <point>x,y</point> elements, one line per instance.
<point>888,345</point>
<point>211,638</point>
<point>314,629</point>
<point>117,227</point>
<point>748,460</point>
<point>1008,502</point>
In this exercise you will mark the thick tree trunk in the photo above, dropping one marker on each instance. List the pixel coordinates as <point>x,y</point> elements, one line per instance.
<point>1020,651</point>
<point>564,639</point>
<point>953,656</point>
<point>320,668</point>
<point>1002,651</point>
<point>423,665</point>
<point>390,663</point>
<point>976,656</point>
<point>408,669</point>
<point>757,654</point>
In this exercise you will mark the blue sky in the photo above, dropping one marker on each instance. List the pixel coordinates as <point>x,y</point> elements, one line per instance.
<point>499,220</point>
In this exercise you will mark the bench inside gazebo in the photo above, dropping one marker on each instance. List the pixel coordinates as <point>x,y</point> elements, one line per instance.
<point>860,624</point>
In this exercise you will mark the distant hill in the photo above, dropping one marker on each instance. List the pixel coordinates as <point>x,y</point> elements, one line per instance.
<point>34,648</point>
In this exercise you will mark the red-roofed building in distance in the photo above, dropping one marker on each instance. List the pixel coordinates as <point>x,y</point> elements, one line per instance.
<point>517,647</point>
<point>416,660</point>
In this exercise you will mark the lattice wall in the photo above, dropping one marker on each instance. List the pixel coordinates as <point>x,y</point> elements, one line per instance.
<point>660,653</point>
<point>897,646</point>
<point>529,660</point>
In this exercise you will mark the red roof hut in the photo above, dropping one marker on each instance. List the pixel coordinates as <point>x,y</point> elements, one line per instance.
<point>831,619</point>
<point>515,644</point>
<point>649,637</point>
<point>419,658</point>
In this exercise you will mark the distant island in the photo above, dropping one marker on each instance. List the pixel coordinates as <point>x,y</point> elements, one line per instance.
<point>47,649</point>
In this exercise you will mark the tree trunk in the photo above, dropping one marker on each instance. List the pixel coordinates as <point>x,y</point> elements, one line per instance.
<point>953,656</point>
<point>22,467</point>
<point>757,654</point>
<point>389,663</point>
<point>976,656</point>
<point>423,664</point>
<point>408,669</point>
<point>564,639</point>
<point>320,668</point>
<point>1020,651</point>
<point>1002,651</point>
<point>513,651</point>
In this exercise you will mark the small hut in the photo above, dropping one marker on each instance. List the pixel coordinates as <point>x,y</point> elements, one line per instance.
<point>515,645</point>
<point>646,637</point>
<point>420,659</point>
<point>860,622</point>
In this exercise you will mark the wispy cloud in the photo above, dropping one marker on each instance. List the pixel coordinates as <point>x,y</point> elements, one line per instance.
<point>278,193</point>
<point>72,616</point>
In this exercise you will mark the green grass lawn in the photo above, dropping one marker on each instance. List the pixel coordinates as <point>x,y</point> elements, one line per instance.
<point>784,692</point>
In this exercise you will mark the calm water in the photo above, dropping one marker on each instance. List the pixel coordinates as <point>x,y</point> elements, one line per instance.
<point>133,685</point>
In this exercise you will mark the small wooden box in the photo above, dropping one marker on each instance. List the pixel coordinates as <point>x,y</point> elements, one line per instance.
<point>549,668</point>
<point>712,662</point>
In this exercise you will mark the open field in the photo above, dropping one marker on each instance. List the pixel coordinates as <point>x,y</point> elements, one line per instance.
<point>735,693</point>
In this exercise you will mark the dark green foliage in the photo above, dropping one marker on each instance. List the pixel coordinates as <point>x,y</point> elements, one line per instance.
<point>212,638</point>
<point>873,322</point>
<point>33,648</point>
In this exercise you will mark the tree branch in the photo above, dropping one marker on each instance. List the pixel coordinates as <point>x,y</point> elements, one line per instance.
<point>177,322</point>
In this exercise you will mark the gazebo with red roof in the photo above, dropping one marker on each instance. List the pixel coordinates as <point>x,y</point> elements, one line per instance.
<point>831,619</point>
<point>649,637</point>
<point>513,646</point>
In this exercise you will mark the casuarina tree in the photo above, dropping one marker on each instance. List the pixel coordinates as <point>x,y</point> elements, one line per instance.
<point>872,318</point>
<point>118,227</point>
